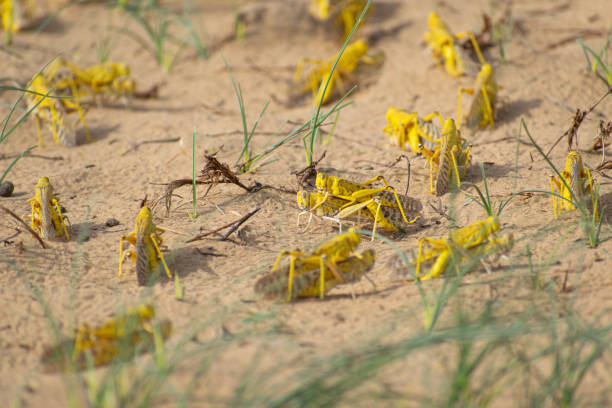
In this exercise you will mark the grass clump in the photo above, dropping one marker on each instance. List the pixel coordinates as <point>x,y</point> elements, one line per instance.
<point>600,60</point>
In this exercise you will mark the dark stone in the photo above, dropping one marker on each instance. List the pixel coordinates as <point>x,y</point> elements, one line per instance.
<point>111,222</point>
<point>6,189</point>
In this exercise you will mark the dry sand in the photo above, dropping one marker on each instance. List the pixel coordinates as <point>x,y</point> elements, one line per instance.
<point>109,177</point>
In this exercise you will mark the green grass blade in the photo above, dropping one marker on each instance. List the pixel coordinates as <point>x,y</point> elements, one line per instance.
<point>314,128</point>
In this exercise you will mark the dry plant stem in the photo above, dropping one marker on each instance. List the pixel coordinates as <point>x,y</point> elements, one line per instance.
<point>233,226</point>
<point>6,241</point>
<point>215,172</point>
<point>601,141</point>
<point>308,172</point>
<point>576,121</point>
<point>12,214</point>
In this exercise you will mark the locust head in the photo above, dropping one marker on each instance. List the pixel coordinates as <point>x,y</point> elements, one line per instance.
<point>485,75</point>
<point>303,200</point>
<point>321,181</point>
<point>450,132</point>
<point>44,191</point>
<point>573,163</point>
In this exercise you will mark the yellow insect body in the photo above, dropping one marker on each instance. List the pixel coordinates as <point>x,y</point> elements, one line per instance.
<point>53,111</point>
<point>325,256</point>
<point>318,76</point>
<point>579,179</point>
<point>409,129</point>
<point>482,107</point>
<point>473,240</point>
<point>107,79</point>
<point>363,195</point>
<point>47,217</point>
<point>349,10</point>
<point>442,44</point>
<point>16,15</point>
<point>319,9</point>
<point>449,160</point>
<point>118,337</point>
<point>146,237</point>
<point>306,281</point>
<point>325,206</point>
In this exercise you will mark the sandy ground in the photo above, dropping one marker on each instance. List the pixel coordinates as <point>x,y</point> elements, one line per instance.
<point>109,177</point>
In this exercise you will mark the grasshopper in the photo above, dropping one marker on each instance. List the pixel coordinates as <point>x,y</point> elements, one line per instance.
<point>118,337</point>
<point>325,256</point>
<point>53,111</point>
<point>408,128</point>
<point>363,195</point>
<point>324,206</point>
<point>579,179</point>
<point>146,237</point>
<point>307,282</point>
<point>482,107</point>
<point>442,44</point>
<point>107,79</point>
<point>476,239</point>
<point>448,161</point>
<point>329,207</point>
<point>47,217</point>
<point>348,62</point>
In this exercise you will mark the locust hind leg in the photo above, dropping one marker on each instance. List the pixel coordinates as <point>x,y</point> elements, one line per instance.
<point>487,116</point>
<point>455,168</point>
<point>61,219</point>
<point>470,34</point>
<point>376,219</point>
<point>401,207</point>
<point>153,237</point>
<point>290,280</point>
<point>594,200</point>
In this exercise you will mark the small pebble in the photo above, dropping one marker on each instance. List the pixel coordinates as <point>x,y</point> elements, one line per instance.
<point>111,222</point>
<point>6,189</point>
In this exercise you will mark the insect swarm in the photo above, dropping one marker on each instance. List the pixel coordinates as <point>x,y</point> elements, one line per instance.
<point>442,44</point>
<point>147,239</point>
<point>318,75</point>
<point>324,257</point>
<point>579,180</point>
<point>475,240</point>
<point>117,338</point>
<point>47,217</point>
<point>409,129</point>
<point>53,111</point>
<point>307,282</point>
<point>448,161</point>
